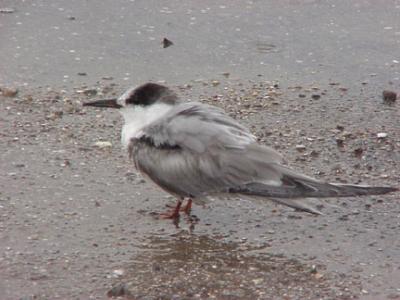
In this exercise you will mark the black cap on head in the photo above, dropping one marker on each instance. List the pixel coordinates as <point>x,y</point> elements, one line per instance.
<point>150,93</point>
<point>143,95</point>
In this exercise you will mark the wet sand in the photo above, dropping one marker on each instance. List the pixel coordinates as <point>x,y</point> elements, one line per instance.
<point>75,217</point>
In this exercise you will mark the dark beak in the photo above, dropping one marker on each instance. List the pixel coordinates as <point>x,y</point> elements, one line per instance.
<point>110,103</point>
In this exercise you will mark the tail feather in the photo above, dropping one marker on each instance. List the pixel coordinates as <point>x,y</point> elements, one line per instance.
<point>297,204</point>
<point>295,186</point>
<point>302,188</point>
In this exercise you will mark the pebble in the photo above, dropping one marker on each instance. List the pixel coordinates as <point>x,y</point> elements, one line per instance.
<point>90,92</point>
<point>118,291</point>
<point>340,127</point>
<point>54,115</point>
<point>300,147</point>
<point>9,92</point>
<point>318,275</point>
<point>258,281</point>
<point>339,142</point>
<point>7,10</point>
<point>382,135</point>
<point>389,96</point>
<point>358,152</point>
<point>103,144</point>
<point>315,96</point>
<point>215,83</point>
<point>118,272</point>
<point>167,43</point>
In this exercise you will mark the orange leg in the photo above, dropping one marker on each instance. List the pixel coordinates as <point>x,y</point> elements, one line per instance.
<point>174,214</point>
<point>188,207</point>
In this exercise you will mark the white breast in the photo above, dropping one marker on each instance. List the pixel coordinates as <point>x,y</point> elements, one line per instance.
<point>137,117</point>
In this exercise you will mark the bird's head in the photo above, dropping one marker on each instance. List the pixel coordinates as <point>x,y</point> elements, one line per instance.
<point>142,96</point>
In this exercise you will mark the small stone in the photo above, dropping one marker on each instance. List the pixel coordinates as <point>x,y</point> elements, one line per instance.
<point>7,10</point>
<point>358,269</point>
<point>257,281</point>
<point>103,144</point>
<point>340,142</point>
<point>394,296</point>
<point>315,96</point>
<point>302,95</point>
<point>318,275</point>
<point>389,97</point>
<point>29,98</point>
<point>313,269</point>
<point>358,152</point>
<point>118,273</point>
<point>166,43</point>
<point>300,148</point>
<point>55,115</point>
<point>215,83</point>
<point>382,135</point>
<point>9,92</point>
<point>66,163</point>
<point>90,92</point>
<point>82,73</point>
<point>340,127</point>
<point>226,74</point>
<point>118,291</point>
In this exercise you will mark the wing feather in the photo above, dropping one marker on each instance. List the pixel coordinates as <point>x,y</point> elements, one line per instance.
<point>207,152</point>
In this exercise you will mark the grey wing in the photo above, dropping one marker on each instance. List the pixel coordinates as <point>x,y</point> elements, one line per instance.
<point>198,150</point>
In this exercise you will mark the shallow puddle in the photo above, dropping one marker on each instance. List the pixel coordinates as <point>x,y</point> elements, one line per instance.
<point>189,266</point>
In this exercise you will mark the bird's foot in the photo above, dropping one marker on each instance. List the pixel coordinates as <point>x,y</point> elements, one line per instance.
<point>185,209</point>
<point>174,213</point>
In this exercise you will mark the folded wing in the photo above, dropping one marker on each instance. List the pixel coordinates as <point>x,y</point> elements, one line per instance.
<point>197,150</point>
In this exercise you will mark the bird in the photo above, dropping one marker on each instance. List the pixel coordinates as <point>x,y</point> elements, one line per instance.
<point>194,150</point>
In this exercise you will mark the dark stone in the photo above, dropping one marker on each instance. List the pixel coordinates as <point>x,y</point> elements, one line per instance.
<point>389,97</point>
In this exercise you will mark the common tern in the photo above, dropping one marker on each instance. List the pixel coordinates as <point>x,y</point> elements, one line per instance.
<point>194,150</point>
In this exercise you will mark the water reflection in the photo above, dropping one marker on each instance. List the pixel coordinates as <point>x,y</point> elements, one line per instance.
<point>199,267</point>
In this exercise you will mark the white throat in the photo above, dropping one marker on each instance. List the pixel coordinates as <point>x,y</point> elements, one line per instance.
<point>137,117</point>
